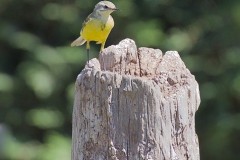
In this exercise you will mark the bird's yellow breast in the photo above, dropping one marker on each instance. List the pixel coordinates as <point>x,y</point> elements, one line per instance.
<point>97,30</point>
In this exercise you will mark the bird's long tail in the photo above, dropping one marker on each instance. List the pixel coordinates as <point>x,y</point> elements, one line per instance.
<point>78,42</point>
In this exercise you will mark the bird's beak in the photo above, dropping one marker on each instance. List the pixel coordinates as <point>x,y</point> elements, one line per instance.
<point>115,9</point>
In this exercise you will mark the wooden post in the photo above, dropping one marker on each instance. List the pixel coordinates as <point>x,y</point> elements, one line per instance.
<point>135,104</point>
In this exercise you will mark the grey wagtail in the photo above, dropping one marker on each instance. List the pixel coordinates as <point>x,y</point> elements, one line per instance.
<point>97,26</point>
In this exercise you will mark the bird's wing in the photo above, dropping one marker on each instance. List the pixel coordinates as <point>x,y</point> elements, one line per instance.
<point>88,19</point>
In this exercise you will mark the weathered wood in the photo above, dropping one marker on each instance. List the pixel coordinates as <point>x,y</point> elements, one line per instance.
<point>135,104</point>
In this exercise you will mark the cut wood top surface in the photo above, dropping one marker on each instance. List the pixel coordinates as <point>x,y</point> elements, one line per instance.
<point>126,59</point>
<point>144,63</point>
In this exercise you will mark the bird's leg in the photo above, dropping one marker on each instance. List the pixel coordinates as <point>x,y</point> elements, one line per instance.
<point>102,46</point>
<point>88,50</point>
<point>88,54</point>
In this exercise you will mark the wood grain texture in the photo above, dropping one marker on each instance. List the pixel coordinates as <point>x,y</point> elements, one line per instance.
<point>137,104</point>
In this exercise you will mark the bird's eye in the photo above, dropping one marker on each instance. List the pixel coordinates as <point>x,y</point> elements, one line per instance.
<point>105,6</point>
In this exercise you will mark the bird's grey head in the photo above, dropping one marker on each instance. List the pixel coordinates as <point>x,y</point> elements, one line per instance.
<point>105,7</point>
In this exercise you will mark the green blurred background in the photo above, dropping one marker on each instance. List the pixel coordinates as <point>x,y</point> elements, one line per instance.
<point>38,68</point>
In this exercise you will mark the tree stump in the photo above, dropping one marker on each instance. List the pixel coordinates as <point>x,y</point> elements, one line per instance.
<point>135,104</point>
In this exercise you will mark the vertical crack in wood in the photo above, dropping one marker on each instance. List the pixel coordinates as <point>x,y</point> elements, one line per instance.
<point>108,146</point>
<point>139,62</point>
<point>147,136</point>
<point>126,60</point>
<point>129,144</point>
<point>118,101</point>
<point>120,65</point>
<point>138,130</point>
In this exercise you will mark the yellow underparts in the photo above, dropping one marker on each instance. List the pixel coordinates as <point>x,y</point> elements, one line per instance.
<point>96,30</point>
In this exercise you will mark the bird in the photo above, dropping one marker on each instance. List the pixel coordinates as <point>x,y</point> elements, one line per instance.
<point>97,26</point>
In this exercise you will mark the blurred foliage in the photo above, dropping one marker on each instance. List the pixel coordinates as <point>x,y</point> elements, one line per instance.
<point>38,68</point>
